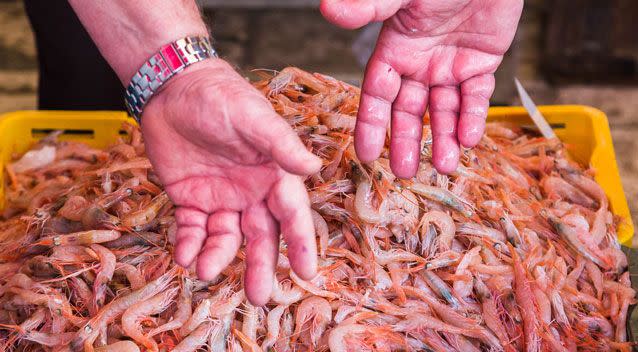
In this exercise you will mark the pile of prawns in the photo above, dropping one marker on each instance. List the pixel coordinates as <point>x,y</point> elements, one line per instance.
<point>515,251</point>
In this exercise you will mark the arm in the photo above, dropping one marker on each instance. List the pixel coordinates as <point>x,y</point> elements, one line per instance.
<point>231,169</point>
<point>129,32</point>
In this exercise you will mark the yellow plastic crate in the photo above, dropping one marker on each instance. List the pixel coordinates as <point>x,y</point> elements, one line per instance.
<point>584,129</point>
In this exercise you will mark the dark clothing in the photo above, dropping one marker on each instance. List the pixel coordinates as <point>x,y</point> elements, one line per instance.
<point>73,73</point>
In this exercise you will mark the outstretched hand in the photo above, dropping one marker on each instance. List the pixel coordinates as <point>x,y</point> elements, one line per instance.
<point>438,55</point>
<point>231,165</point>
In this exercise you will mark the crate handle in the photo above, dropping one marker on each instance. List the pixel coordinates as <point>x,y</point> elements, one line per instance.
<point>43,132</point>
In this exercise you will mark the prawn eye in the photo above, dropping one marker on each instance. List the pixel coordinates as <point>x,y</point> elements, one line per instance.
<point>88,329</point>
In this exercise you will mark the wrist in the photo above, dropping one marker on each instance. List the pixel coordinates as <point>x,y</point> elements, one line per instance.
<point>129,58</point>
<point>170,60</point>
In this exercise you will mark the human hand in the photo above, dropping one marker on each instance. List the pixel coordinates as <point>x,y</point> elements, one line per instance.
<point>230,165</point>
<point>444,50</point>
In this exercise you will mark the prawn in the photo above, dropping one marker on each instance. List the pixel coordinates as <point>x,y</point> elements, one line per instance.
<point>441,288</point>
<point>446,227</point>
<point>133,316</point>
<point>490,312</point>
<point>248,344</point>
<point>338,121</point>
<point>525,299</point>
<point>195,339</point>
<point>321,228</point>
<point>500,130</point>
<point>348,337</point>
<point>200,314</point>
<point>73,208</point>
<point>464,288</point>
<point>445,259</point>
<point>286,296</point>
<point>29,324</point>
<point>573,241</point>
<point>79,238</point>
<point>310,287</point>
<point>133,275</point>
<point>383,257</point>
<point>107,267</point>
<point>51,299</point>
<point>119,346</point>
<point>183,312</point>
<point>147,214</point>
<point>87,334</point>
<point>556,187</point>
<point>49,339</point>
<point>318,312</point>
<point>403,213</point>
<point>34,159</point>
<point>442,196</point>
<point>417,322</point>
<point>274,327</point>
<point>136,163</point>
<point>364,208</point>
<point>250,321</point>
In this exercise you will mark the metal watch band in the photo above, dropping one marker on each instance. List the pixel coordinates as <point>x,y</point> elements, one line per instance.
<point>169,60</point>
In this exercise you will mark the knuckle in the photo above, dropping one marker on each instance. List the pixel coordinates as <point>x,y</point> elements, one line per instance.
<point>445,99</point>
<point>189,217</point>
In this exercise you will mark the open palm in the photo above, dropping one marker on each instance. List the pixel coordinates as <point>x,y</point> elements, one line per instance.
<point>431,54</point>
<point>221,150</point>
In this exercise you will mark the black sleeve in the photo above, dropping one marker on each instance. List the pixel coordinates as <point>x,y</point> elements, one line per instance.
<point>73,73</point>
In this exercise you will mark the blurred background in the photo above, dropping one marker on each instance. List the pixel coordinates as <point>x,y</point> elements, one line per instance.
<point>565,52</point>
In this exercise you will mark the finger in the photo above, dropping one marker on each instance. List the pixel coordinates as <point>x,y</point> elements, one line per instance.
<point>380,87</point>
<point>262,248</point>
<point>288,202</point>
<point>407,128</point>
<point>271,135</point>
<point>351,14</point>
<point>190,235</point>
<point>444,111</point>
<point>221,245</point>
<point>475,101</point>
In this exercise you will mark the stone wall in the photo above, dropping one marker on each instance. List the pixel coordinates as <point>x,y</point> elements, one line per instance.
<point>18,65</point>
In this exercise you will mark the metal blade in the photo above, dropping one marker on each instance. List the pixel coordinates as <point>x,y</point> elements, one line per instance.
<point>532,110</point>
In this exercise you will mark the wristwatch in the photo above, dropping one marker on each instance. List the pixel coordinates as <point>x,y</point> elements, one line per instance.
<point>169,60</point>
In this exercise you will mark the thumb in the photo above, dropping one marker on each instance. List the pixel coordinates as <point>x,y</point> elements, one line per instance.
<point>352,14</point>
<point>272,136</point>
